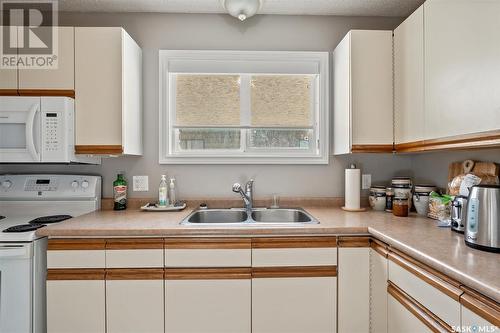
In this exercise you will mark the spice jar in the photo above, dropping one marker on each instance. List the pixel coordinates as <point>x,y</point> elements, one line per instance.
<point>400,206</point>
<point>389,197</point>
<point>402,188</point>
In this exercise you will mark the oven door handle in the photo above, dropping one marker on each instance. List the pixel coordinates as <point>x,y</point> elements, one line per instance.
<point>30,123</point>
<point>10,251</point>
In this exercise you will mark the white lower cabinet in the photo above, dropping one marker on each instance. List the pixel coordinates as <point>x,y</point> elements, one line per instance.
<point>378,289</point>
<point>134,306</point>
<point>400,319</point>
<point>208,306</point>
<point>76,306</point>
<point>294,304</point>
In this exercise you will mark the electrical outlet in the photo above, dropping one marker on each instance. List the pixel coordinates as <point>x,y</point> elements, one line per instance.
<point>366,182</point>
<point>141,183</point>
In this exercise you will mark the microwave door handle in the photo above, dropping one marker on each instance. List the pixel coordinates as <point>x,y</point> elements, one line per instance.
<point>30,123</point>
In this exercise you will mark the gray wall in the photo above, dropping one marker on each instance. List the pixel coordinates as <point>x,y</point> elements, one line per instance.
<point>264,32</point>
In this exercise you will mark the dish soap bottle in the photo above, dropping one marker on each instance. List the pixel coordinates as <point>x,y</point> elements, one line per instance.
<point>172,194</point>
<point>163,192</point>
<point>120,192</point>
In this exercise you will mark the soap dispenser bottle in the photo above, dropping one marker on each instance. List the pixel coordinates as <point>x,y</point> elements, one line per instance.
<point>163,192</point>
<point>172,192</point>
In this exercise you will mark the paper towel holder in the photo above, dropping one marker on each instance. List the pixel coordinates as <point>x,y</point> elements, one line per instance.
<point>361,209</point>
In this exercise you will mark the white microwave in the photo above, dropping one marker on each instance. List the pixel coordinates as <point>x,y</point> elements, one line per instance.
<point>38,130</point>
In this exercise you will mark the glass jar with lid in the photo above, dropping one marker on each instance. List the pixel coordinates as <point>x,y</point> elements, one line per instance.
<point>402,188</point>
<point>377,198</point>
<point>400,206</point>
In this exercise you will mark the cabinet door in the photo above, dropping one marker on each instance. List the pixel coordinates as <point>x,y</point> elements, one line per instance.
<point>62,76</point>
<point>354,289</point>
<point>135,306</point>
<point>378,289</point>
<point>400,319</point>
<point>409,78</point>
<point>196,302</point>
<point>98,86</point>
<point>294,304</point>
<point>76,306</point>
<point>462,67</point>
<point>8,77</point>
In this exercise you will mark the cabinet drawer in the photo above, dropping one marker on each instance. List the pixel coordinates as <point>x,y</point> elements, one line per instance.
<point>76,253</point>
<point>300,251</point>
<point>439,296</point>
<point>208,253</point>
<point>134,253</point>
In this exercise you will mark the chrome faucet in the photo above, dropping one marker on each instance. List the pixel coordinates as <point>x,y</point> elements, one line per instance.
<point>247,194</point>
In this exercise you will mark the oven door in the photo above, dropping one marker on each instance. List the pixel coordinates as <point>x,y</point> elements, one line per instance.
<point>19,129</point>
<point>16,272</point>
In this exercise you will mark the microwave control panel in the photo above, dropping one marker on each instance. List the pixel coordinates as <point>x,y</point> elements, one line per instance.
<point>52,129</point>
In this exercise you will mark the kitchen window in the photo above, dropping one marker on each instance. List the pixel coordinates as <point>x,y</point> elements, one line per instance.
<point>229,107</point>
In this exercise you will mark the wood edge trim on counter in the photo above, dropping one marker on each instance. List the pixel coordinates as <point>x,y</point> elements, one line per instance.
<point>293,242</point>
<point>9,92</point>
<point>386,148</point>
<point>76,244</point>
<point>435,279</point>
<point>208,243</point>
<point>294,271</point>
<point>75,274</point>
<point>135,274</point>
<point>353,241</point>
<point>428,318</point>
<point>379,247</point>
<point>481,305</point>
<point>237,273</point>
<point>47,92</point>
<point>134,243</point>
<point>474,140</point>
<point>99,149</point>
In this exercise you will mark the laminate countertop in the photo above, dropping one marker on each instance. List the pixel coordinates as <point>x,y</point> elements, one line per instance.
<point>419,237</point>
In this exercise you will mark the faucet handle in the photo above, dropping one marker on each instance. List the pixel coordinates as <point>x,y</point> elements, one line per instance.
<point>236,187</point>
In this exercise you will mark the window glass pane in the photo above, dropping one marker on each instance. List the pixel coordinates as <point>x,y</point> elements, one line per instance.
<point>208,138</point>
<point>207,100</point>
<point>281,100</point>
<point>280,138</point>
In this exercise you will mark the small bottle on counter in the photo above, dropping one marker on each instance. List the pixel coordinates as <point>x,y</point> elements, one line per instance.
<point>389,198</point>
<point>120,192</point>
<point>163,192</point>
<point>172,192</point>
<point>400,206</point>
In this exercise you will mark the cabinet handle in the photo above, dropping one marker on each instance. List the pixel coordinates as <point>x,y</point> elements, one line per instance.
<point>430,320</point>
<point>482,306</point>
<point>208,273</point>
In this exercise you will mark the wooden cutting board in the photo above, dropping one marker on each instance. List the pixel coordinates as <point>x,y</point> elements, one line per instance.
<point>480,168</point>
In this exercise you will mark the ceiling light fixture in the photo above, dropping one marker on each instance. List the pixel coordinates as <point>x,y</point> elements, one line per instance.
<point>242,9</point>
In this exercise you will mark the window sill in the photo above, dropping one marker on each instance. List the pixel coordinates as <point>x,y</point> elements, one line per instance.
<point>244,160</point>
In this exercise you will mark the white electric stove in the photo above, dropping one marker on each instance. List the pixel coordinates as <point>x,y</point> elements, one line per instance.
<point>27,203</point>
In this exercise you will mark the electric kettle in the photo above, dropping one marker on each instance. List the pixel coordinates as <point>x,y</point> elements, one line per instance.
<point>482,227</point>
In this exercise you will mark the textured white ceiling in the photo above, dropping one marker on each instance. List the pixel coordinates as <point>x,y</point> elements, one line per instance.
<point>282,7</point>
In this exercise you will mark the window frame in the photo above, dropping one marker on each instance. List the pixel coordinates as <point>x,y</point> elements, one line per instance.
<point>280,61</point>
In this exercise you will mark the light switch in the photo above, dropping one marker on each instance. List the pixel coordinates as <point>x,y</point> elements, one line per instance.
<point>366,181</point>
<point>141,183</point>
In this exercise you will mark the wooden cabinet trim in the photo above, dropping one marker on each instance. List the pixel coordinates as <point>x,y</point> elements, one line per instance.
<point>135,274</point>
<point>381,248</point>
<point>99,149</point>
<point>208,243</point>
<point>75,274</point>
<point>372,148</point>
<point>293,242</point>
<point>481,305</point>
<point>134,243</point>
<point>294,271</point>
<point>475,140</point>
<point>47,92</point>
<point>237,273</point>
<point>9,92</point>
<point>428,318</point>
<point>355,241</point>
<point>432,277</point>
<point>76,244</point>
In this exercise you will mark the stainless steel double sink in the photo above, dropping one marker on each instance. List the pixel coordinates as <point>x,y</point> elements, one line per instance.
<point>257,217</point>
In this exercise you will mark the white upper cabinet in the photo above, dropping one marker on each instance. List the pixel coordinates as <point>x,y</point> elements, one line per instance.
<point>8,77</point>
<point>108,88</point>
<point>409,79</point>
<point>62,77</point>
<point>363,94</point>
<point>462,67</point>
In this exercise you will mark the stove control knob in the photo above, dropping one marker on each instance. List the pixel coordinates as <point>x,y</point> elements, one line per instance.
<point>6,184</point>
<point>74,184</point>
<point>85,184</point>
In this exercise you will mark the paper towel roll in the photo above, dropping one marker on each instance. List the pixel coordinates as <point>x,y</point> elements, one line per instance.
<point>352,188</point>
